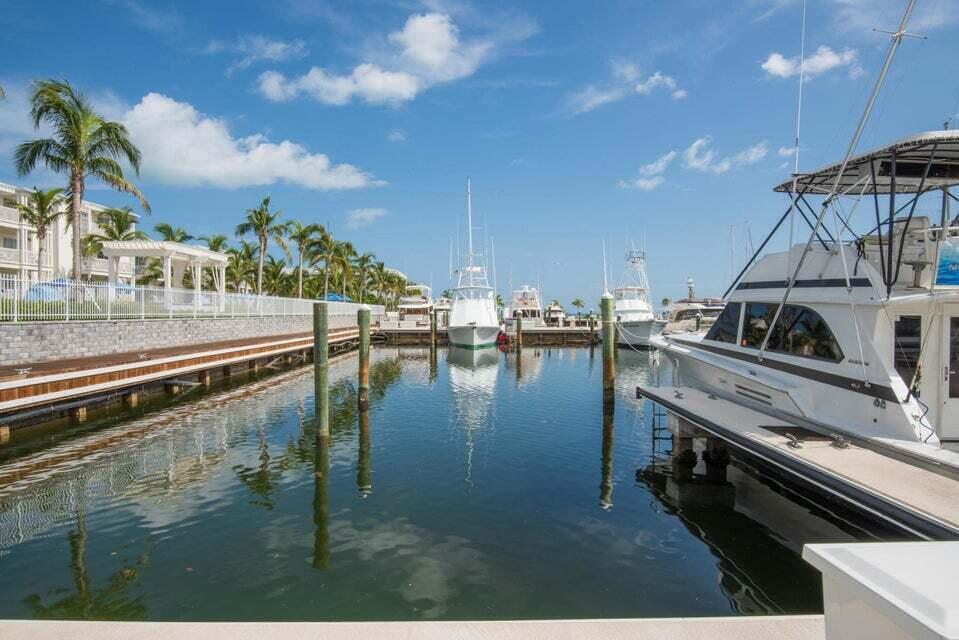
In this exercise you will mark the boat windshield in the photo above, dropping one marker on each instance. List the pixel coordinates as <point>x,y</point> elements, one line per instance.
<point>473,293</point>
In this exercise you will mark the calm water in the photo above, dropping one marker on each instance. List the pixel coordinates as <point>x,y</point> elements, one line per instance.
<point>476,487</point>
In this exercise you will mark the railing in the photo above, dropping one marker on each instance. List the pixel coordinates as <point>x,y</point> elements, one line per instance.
<point>12,256</point>
<point>9,214</point>
<point>65,301</point>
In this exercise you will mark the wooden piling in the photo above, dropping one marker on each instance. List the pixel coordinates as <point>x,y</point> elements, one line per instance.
<point>131,400</point>
<point>227,371</point>
<point>363,320</point>
<point>205,378</point>
<point>364,472</point>
<point>433,329</point>
<point>609,347</point>
<point>321,357</point>
<point>79,413</point>
<point>519,333</point>
<point>4,434</point>
<point>254,365</point>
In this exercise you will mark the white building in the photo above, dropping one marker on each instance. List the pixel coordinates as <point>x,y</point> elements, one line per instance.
<point>18,242</point>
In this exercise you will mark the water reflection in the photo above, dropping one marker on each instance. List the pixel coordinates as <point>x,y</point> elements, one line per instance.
<point>473,374</point>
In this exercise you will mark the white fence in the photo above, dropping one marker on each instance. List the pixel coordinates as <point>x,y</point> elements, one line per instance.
<point>61,300</point>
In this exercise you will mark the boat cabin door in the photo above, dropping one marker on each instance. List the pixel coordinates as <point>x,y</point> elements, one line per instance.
<point>949,419</point>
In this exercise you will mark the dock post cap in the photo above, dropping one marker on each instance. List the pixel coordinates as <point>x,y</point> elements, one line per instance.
<point>365,307</point>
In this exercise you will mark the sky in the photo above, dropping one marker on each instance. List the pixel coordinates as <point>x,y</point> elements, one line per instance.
<point>664,124</point>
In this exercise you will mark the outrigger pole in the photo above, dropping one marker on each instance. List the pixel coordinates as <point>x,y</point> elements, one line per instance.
<point>890,54</point>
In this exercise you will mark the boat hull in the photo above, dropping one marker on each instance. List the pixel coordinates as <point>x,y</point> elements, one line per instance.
<point>473,336</point>
<point>636,333</point>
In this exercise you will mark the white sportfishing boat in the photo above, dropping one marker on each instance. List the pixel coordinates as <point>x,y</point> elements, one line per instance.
<point>635,320</point>
<point>416,304</point>
<point>525,303</point>
<point>692,314</point>
<point>473,321</point>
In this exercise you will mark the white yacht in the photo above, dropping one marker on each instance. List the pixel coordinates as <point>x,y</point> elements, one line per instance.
<point>416,304</point>
<point>525,303</point>
<point>857,337</point>
<point>635,319</point>
<point>555,315</point>
<point>473,321</point>
<point>692,313</point>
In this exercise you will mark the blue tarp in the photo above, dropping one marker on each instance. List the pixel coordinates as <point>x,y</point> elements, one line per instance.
<point>335,297</point>
<point>52,291</point>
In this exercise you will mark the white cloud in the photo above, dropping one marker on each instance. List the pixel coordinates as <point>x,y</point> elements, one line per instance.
<point>786,152</point>
<point>822,60</point>
<point>396,135</point>
<point>358,218</point>
<point>700,157</point>
<point>428,50</point>
<point>860,15</point>
<point>650,175</point>
<point>251,49</point>
<point>590,98</point>
<point>182,146</point>
<point>626,80</point>
<point>367,82</point>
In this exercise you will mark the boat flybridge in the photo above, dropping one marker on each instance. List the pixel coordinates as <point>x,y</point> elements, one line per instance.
<point>635,320</point>
<point>850,334</point>
<point>416,304</point>
<point>473,322</point>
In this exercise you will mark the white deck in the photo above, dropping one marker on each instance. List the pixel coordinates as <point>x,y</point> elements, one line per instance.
<point>926,494</point>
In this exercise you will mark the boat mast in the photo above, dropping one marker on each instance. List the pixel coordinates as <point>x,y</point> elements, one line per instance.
<point>894,43</point>
<point>469,225</point>
<point>792,207</point>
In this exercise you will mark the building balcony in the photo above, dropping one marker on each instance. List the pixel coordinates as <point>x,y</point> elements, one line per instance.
<point>9,215</point>
<point>11,258</point>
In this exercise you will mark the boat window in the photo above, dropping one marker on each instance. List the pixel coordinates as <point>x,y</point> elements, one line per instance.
<point>801,331</point>
<point>756,322</point>
<point>726,328</point>
<point>908,339</point>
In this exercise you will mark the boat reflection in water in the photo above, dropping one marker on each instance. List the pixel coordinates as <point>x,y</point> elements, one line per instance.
<point>723,498</point>
<point>473,374</point>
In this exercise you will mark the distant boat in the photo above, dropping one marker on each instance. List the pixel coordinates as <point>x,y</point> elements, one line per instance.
<point>632,309</point>
<point>473,322</point>
<point>692,314</point>
<point>525,303</point>
<point>416,304</point>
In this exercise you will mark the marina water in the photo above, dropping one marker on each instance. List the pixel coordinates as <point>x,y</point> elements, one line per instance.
<point>479,485</point>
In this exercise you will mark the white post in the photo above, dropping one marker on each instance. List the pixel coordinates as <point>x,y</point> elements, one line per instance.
<point>167,285</point>
<point>197,272</point>
<point>112,265</point>
<point>16,298</point>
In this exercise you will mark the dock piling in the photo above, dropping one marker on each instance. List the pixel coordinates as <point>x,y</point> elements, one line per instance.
<point>433,329</point>
<point>519,333</point>
<point>321,356</point>
<point>205,378</point>
<point>4,434</point>
<point>131,400</point>
<point>363,320</point>
<point>609,347</point>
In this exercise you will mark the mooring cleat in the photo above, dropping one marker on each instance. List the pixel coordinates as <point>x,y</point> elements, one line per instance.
<point>838,441</point>
<point>794,442</point>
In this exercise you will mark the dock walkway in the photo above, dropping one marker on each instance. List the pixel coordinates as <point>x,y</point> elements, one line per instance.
<point>917,500</point>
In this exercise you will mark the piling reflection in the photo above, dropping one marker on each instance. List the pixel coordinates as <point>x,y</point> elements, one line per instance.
<point>606,483</point>
<point>321,503</point>
<point>364,473</point>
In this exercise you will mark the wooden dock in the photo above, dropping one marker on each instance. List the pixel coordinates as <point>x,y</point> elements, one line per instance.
<point>919,501</point>
<point>67,383</point>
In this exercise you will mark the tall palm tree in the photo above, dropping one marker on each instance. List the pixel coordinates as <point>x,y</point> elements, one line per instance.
<point>169,233</point>
<point>264,224</point>
<point>324,248</point>
<point>241,265</point>
<point>275,278</point>
<point>362,265</point>
<point>301,235</point>
<point>83,144</point>
<point>344,260</point>
<point>41,212</point>
<point>113,224</point>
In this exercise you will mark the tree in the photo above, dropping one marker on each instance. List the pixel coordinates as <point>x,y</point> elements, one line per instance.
<point>301,235</point>
<point>264,224</point>
<point>169,233</point>
<point>241,265</point>
<point>577,304</point>
<point>275,278</point>
<point>41,212</point>
<point>218,242</point>
<point>362,264</point>
<point>665,302</point>
<point>324,248</point>
<point>344,260</point>
<point>113,224</point>
<point>83,144</point>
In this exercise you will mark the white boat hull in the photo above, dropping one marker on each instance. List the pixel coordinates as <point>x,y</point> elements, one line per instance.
<point>636,333</point>
<point>473,336</point>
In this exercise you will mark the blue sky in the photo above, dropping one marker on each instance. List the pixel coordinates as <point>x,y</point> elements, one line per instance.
<point>576,121</point>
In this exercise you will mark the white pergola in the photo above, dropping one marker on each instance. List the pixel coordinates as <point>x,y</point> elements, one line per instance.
<point>176,257</point>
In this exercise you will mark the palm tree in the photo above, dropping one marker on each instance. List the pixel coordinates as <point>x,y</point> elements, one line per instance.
<point>240,268</point>
<point>344,258</point>
<point>113,224</point>
<point>275,278</point>
<point>169,233</point>
<point>41,212</point>
<point>301,235</point>
<point>362,264</point>
<point>83,145</point>
<point>665,302</point>
<point>263,223</point>
<point>324,248</point>
<point>577,304</point>
<point>218,242</point>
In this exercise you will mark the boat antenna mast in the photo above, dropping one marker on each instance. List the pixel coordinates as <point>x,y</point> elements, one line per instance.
<point>605,280</point>
<point>792,207</point>
<point>895,41</point>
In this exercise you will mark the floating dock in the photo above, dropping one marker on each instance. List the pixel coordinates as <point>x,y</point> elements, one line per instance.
<point>919,501</point>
